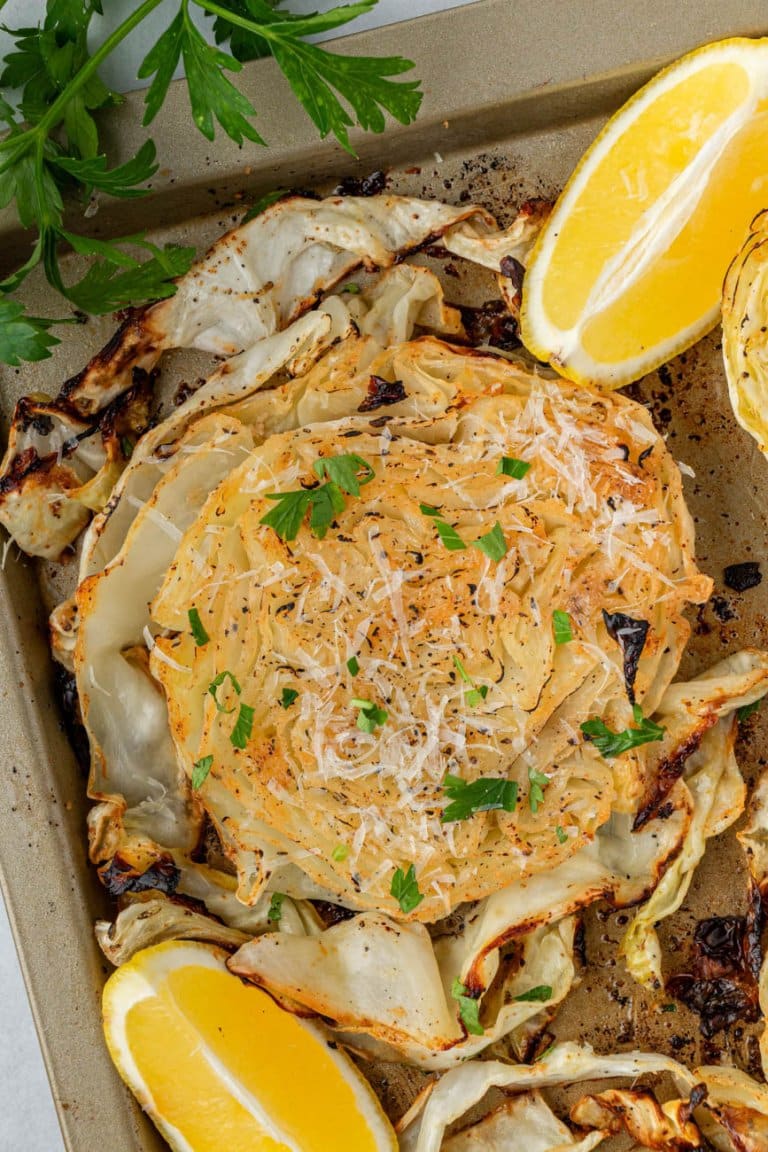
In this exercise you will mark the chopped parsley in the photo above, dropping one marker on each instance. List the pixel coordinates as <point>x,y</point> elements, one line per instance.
<point>216,683</point>
<point>561,834</point>
<point>669,1007</point>
<point>483,795</point>
<point>474,695</point>
<point>748,710</point>
<point>449,537</point>
<point>126,446</point>
<point>469,1009</point>
<point>561,626</point>
<point>405,889</point>
<point>447,533</point>
<point>275,907</point>
<point>199,634</point>
<point>509,466</point>
<point>200,770</point>
<point>340,853</point>
<point>353,666</point>
<point>346,473</point>
<point>536,792</point>
<point>541,994</point>
<point>241,733</point>
<point>288,697</point>
<point>353,289</point>
<point>610,744</point>
<point>370,716</point>
<point>493,543</point>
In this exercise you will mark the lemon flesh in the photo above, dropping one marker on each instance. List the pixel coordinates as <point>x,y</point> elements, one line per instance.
<point>629,269</point>
<point>217,1064</point>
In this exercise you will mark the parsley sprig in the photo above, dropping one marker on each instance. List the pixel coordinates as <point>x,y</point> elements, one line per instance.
<point>345,473</point>
<point>482,795</point>
<point>405,889</point>
<point>369,716</point>
<point>53,148</point>
<point>610,744</point>
<point>469,1009</point>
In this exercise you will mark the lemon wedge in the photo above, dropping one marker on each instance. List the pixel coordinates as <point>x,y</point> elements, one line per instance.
<point>218,1065</point>
<point>629,269</point>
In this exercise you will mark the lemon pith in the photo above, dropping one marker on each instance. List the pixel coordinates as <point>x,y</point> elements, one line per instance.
<point>217,1063</point>
<point>629,269</point>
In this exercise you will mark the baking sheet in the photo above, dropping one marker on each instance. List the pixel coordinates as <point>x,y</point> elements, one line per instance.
<point>514,91</point>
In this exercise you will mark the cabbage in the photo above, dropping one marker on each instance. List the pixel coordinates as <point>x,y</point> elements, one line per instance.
<point>733,1114</point>
<point>745,343</point>
<point>713,778</point>
<point>523,1122</point>
<point>255,281</point>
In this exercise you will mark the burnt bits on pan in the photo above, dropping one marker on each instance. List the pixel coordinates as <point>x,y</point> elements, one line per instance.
<point>120,877</point>
<point>371,185</point>
<point>722,984</point>
<point>742,577</point>
<point>630,635</point>
<point>491,324</point>
<point>514,271</point>
<point>382,393</point>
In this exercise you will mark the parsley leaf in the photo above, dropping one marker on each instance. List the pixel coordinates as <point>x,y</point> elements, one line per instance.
<point>121,181</point>
<point>541,993</point>
<point>344,470</point>
<point>562,836</point>
<point>474,695</point>
<point>196,627</point>
<point>469,1009</point>
<point>216,683</point>
<point>118,279</point>
<point>493,543</point>
<point>370,716</point>
<point>340,853</point>
<point>610,744</point>
<point>241,733</point>
<point>449,536</point>
<point>561,626</point>
<point>538,783</point>
<point>23,337</point>
<point>211,94</point>
<point>287,516</point>
<point>275,907</point>
<point>264,202</point>
<point>288,697</point>
<point>353,666</point>
<point>352,288</point>
<point>483,795</point>
<point>200,770</point>
<point>327,503</point>
<point>447,533</point>
<point>509,466</point>
<point>52,143</point>
<point>316,75</point>
<point>405,889</point>
<point>748,710</point>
